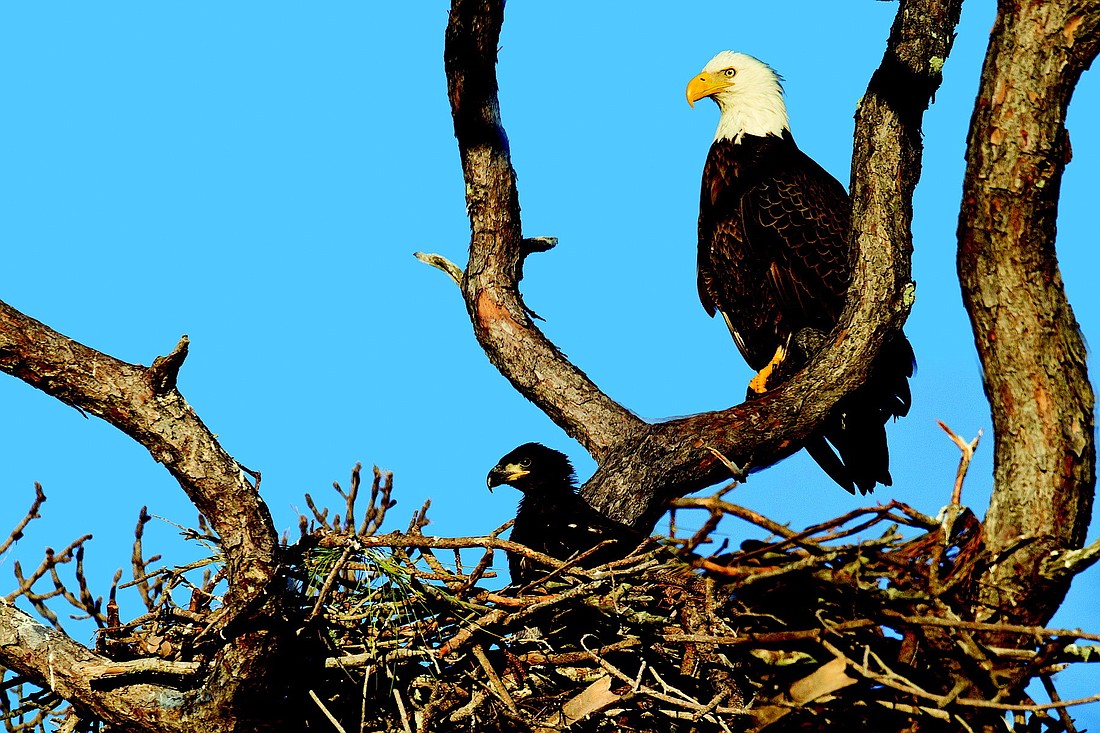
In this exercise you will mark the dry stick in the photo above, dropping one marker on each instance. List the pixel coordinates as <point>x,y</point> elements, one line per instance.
<point>172,571</point>
<point>689,704</point>
<point>31,515</point>
<point>330,580</point>
<point>951,513</point>
<point>495,684</point>
<point>704,532</point>
<point>738,511</point>
<point>477,573</point>
<point>449,543</point>
<point>890,678</point>
<point>967,450</point>
<point>401,710</point>
<point>773,637</point>
<point>332,719</point>
<point>910,709</point>
<point>1038,631</point>
<point>898,682</point>
<point>570,658</point>
<point>466,633</point>
<point>1063,716</point>
<point>569,564</point>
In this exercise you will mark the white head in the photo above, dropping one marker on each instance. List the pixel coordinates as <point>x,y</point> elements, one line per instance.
<point>748,94</point>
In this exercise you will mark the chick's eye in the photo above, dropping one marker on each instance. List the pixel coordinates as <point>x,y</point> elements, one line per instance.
<point>730,72</point>
<point>525,462</point>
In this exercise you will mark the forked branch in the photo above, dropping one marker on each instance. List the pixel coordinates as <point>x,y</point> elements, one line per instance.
<point>643,465</point>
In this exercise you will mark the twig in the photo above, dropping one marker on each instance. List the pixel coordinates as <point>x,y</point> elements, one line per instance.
<point>1037,631</point>
<point>1065,718</point>
<point>443,264</point>
<point>330,580</point>
<point>138,667</point>
<point>31,515</point>
<point>967,450</point>
<point>495,684</point>
<point>331,718</point>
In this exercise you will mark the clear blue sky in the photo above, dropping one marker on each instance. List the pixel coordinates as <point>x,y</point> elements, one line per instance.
<point>258,175</point>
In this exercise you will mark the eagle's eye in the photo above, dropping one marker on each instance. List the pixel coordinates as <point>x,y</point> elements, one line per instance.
<point>730,72</point>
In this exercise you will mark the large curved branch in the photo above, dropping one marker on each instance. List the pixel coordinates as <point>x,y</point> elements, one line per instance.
<point>143,402</point>
<point>1029,343</point>
<point>490,287</point>
<point>642,465</point>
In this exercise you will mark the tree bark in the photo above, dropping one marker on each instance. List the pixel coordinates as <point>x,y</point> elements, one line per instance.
<point>1032,353</point>
<point>144,403</point>
<point>643,465</point>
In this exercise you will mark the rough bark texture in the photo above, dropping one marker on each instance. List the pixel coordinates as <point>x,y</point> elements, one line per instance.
<point>490,286</point>
<point>643,465</point>
<point>1031,349</point>
<point>144,403</point>
<point>42,653</point>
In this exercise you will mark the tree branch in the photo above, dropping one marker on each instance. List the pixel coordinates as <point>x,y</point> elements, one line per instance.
<point>62,665</point>
<point>643,465</point>
<point>1031,349</point>
<point>501,323</point>
<point>144,403</point>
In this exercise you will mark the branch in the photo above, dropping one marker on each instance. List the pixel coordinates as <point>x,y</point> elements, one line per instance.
<point>144,403</point>
<point>57,663</point>
<point>501,323</point>
<point>1063,565</point>
<point>1033,357</point>
<point>643,465</point>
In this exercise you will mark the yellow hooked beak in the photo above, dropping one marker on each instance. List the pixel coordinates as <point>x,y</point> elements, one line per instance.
<point>505,475</point>
<point>706,84</point>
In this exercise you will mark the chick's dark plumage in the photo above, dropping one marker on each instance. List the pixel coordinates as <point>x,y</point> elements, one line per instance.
<point>552,518</point>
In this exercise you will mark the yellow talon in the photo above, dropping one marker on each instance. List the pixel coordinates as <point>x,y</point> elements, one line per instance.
<point>759,383</point>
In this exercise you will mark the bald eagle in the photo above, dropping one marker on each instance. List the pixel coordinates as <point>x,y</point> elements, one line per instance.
<point>552,517</point>
<point>775,260</point>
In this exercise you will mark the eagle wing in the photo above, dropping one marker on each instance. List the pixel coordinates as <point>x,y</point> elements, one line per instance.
<point>773,250</point>
<point>798,221</point>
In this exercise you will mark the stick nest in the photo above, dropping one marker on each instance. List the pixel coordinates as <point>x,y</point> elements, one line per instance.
<point>860,622</point>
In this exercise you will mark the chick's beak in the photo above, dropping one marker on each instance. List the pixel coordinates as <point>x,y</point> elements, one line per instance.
<point>504,475</point>
<point>704,85</point>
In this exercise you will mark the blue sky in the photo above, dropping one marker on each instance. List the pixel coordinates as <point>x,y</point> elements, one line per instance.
<point>258,175</point>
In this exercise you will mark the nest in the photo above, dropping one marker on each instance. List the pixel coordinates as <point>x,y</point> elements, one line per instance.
<point>858,622</point>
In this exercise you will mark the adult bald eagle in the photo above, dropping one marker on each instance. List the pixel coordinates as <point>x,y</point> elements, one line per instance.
<point>552,518</point>
<point>775,260</point>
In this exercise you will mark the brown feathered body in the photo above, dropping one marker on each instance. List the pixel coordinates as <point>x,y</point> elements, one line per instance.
<point>775,261</point>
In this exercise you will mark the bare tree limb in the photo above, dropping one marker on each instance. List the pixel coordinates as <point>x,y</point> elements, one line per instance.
<point>502,325</point>
<point>69,669</point>
<point>143,403</point>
